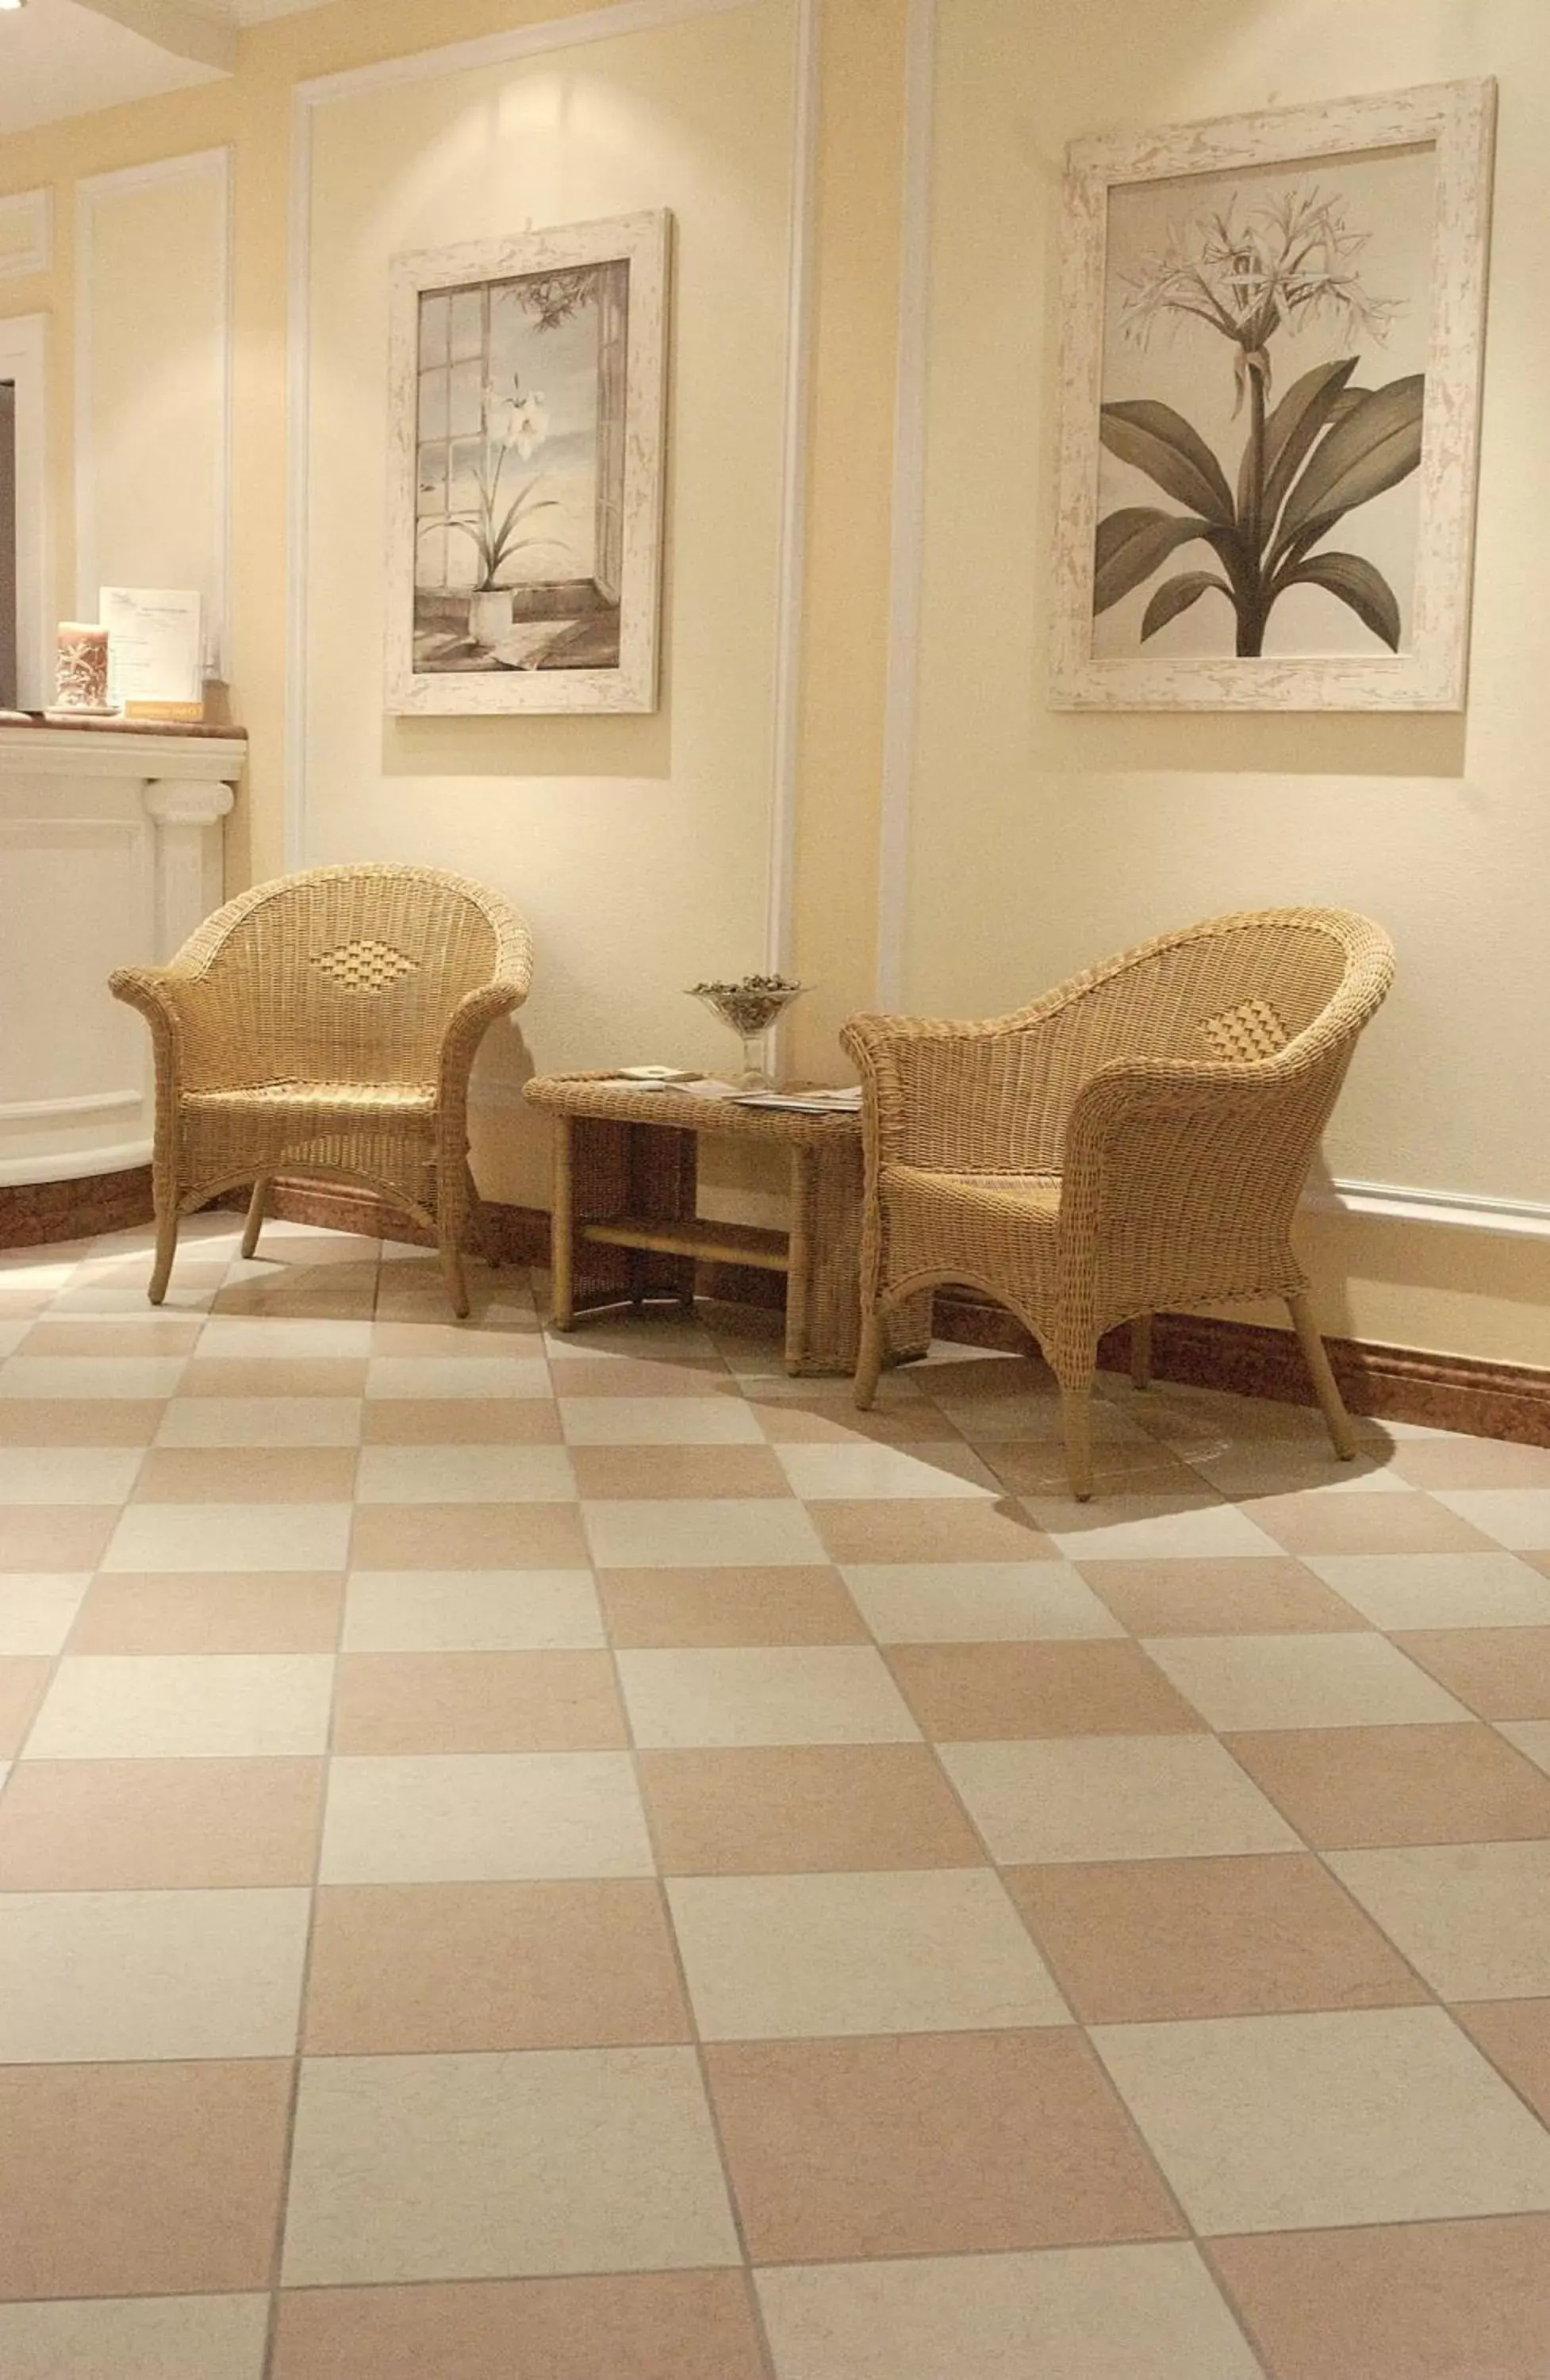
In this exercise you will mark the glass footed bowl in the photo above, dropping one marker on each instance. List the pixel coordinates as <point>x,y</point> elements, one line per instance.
<point>750,1008</point>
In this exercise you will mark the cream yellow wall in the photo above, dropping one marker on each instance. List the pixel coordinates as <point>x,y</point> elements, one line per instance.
<point>1043,840</point>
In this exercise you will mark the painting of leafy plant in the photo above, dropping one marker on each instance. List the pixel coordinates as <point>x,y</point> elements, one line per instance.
<point>1311,454</point>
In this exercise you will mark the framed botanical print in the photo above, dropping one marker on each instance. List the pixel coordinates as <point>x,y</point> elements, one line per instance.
<point>525,457</point>
<point>1272,339</point>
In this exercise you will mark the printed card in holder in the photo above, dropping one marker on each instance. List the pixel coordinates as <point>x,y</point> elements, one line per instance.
<point>155,650</point>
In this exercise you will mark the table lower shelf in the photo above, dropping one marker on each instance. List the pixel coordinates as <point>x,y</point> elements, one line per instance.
<point>708,1243</point>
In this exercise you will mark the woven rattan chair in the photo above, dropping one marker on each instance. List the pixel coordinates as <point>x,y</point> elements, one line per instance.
<point>1136,1140</point>
<point>325,1026</point>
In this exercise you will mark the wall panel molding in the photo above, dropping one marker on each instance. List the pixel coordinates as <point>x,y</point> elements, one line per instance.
<point>25,233</point>
<point>24,362</point>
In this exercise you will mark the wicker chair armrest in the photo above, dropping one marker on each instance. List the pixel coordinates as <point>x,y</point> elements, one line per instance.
<point>466,1028</point>
<point>162,996</point>
<point>971,1096</point>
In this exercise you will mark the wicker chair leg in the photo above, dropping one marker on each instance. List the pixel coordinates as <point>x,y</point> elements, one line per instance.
<point>453,1274</point>
<point>1141,1352</point>
<point>256,1206</point>
<point>1326,1387</point>
<point>166,1247</point>
<point>869,1359</point>
<point>1076,1415</point>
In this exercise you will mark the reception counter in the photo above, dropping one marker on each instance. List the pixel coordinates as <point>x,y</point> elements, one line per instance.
<point>110,855</point>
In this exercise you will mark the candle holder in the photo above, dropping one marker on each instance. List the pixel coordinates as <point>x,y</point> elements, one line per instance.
<point>750,1007</point>
<point>81,671</point>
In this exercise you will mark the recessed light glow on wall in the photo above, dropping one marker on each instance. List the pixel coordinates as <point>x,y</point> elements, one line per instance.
<point>13,4</point>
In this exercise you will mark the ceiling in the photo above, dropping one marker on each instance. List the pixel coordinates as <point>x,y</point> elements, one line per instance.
<point>69,57</point>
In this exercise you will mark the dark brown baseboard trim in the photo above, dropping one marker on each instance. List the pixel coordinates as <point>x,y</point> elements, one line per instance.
<point>1508,1401</point>
<point>35,1214</point>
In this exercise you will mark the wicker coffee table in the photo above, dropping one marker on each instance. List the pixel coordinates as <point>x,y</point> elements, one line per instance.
<point>625,1180</point>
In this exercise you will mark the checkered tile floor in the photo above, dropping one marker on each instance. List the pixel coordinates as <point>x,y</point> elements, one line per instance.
<point>585,1858</point>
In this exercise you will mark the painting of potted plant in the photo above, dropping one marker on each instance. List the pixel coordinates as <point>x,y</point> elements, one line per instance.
<point>1272,332</point>
<point>1246,274</point>
<point>526,430</point>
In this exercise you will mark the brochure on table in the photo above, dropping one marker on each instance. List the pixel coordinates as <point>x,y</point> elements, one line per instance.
<point>155,650</point>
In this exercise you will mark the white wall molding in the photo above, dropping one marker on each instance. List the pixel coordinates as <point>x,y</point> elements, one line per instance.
<point>1506,1219</point>
<point>24,362</point>
<point>604,24</point>
<point>907,556</point>
<point>181,32</point>
<point>25,233</point>
<point>199,165</point>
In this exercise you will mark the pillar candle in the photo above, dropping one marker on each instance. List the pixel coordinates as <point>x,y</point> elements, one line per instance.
<point>81,673</point>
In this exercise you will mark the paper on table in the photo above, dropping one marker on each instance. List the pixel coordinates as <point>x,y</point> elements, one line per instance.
<point>155,645</point>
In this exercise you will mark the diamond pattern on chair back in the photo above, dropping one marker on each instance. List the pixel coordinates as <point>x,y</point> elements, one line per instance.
<point>346,977</point>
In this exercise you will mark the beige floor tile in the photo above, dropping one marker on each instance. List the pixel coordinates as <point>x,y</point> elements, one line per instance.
<point>1001,1603</point>
<point>55,1537</point>
<point>403,2168</point>
<point>1150,1528</point>
<point>478,1702</point>
<point>864,1470</point>
<point>645,1473</point>
<point>36,1610</point>
<point>1278,1468</point>
<point>1355,1787</point>
<point>1477,1590</point>
<point>1515,2035</point>
<point>1500,1672</point>
<point>659,1421</point>
<point>800,1693</point>
<point>928,2144</point>
<point>179,2193</point>
<point>1516,1517</point>
<point>112,1706</point>
<point>979,1692</point>
<point>422,1376</point>
<point>929,1529</point>
<point>516,1337</point>
<point>464,1475</point>
<point>1125,1467</point>
<point>136,2338</point>
<point>246,1475</point>
<point>218,1536</point>
<point>483,1817</point>
<point>66,1475</point>
<point>228,1611</point>
<point>801,1413</point>
<point>1084,2313</point>
<point>80,1421</point>
<point>1303,1680</point>
<point>1529,1736</point>
<point>441,1421</point>
<point>470,1611</point>
<point>1473,1918</point>
<point>690,1532</point>
<point>1472,1462</point>
<point>240,1379</point>
<point>398,1969</point>
<point>1411,1524</point>
<point>1272,2123</point>
<point>1114,1798</point>
<point>72,1377</point>
<point>151,1825</point>
<point>87,1975</point>
<point>1253,1595</point>
<point>24,1678</point>
<point>1150,1939</point>
<point>584,1377</point>
<point>938,1951</point>
<point>468,1536</point>
<point>784,1808</point>
<point>729,1607</point>
<point>260,1422</point>
<point>272,1337</point>
<point>145,1335</point>
<point>618,2326</point>
<point>1424,2301</point>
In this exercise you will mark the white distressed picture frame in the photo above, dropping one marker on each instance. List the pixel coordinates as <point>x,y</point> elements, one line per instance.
<point>643,242</point>
<point>1457,120</point>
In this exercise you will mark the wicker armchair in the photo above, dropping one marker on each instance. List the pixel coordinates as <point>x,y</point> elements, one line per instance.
<point>326,1024</point>
<point>1136,1140</point>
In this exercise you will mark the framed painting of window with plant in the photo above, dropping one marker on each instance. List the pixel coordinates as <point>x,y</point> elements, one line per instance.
<point>1272,338</point>
<point>525,457</point>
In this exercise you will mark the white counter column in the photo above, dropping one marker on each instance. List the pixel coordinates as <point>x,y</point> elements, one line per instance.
<point>110,855</point>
